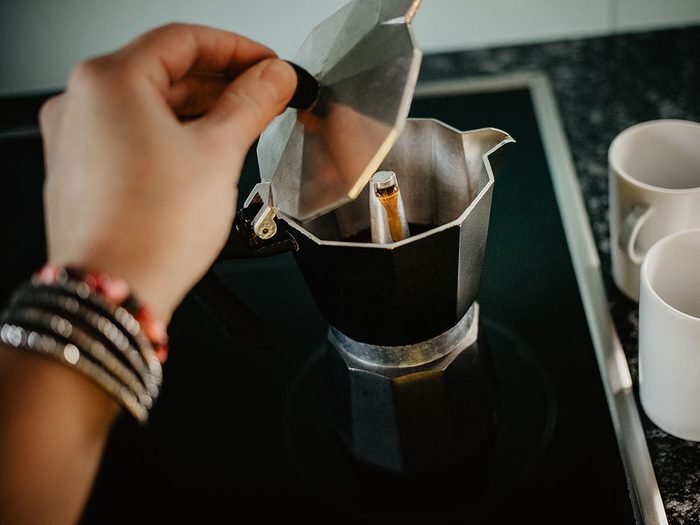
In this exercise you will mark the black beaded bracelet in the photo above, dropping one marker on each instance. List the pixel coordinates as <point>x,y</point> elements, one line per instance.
<point>92,323</point>
<point>21,338</point>
<point>58,301</point>
<point>141,359</point>
<point>64,331</point>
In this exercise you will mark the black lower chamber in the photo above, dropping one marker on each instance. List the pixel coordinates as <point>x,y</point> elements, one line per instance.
<point>387,297</point>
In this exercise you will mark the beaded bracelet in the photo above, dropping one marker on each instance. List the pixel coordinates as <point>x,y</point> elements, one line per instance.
<point>91,322</point>
<point>20,337</point>
<point>65,331</point>
<point>54,300</point>
<point>108,290</point>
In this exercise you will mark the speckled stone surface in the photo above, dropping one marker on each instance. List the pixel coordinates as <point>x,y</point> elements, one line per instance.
<point>604,85</point>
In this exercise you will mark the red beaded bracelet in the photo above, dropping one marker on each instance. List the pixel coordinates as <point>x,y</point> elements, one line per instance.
<point>115,291</point>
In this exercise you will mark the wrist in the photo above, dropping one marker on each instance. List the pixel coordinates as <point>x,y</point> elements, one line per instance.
<point>150,293</point>
<point>116,292</point>
<point>147,288</point>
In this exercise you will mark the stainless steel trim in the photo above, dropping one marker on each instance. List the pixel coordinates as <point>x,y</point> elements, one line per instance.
<point>641,481</point>
<point>386,224</point>
<point>458,337</point>
<point>19,133</point>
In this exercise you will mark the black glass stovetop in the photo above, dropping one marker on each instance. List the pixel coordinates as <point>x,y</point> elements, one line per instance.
<point>243,426</point>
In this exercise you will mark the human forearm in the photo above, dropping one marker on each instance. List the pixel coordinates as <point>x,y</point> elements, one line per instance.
<point>55,426</point>
<point>136,188</point>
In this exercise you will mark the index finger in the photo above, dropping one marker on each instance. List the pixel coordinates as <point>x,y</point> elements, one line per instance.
<point>166,54</point>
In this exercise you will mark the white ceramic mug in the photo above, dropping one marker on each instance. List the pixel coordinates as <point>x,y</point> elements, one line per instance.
<point>669,334</point>
<point>654,190</point>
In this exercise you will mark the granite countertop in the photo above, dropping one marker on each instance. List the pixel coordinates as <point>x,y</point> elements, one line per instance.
<point>602,86</point>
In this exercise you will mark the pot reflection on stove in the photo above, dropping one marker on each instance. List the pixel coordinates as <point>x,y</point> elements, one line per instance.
<point>466,489</point>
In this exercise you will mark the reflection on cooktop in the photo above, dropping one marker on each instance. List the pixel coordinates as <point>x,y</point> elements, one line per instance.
<point>526,416</point>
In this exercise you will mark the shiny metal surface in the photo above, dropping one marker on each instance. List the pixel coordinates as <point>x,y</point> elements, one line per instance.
<point>365,58</point>
<point>419,418</point>
<point>387,215</point>
<point>443,174</point>
<point>423,285</point>
<point>264,224</point>
<point>416,354</point>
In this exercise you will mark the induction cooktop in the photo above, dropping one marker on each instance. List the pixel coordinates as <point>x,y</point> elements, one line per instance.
<point>244,424</point>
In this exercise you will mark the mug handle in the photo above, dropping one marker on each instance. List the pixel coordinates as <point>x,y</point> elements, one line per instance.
<point>629,231</point>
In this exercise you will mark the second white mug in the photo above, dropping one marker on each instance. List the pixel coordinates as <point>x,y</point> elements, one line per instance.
<point>654,190</point>
<point>669,334</point>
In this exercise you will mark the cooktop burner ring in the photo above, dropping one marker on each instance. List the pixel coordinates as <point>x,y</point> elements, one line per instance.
<point>527,416</point>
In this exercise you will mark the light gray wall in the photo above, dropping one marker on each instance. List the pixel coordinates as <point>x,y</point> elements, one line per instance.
<point>41,40</point>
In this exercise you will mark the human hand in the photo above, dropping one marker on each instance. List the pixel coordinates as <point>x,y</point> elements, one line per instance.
<point>131,189</point>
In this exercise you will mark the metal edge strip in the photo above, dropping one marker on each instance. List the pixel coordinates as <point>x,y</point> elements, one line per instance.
<point>644,491</point>
<point>19,133</point>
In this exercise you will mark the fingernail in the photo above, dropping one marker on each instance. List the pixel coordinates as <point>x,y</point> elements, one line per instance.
<point>281,77</point>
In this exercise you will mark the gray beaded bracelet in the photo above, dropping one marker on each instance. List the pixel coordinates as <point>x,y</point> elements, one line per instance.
<point>65,331</point>
<point>19,337</point>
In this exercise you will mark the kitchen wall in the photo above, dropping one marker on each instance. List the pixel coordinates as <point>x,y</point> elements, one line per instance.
<point>42,39</point>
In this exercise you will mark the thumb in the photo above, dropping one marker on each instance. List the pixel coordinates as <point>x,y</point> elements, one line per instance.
<point>253,99</point>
